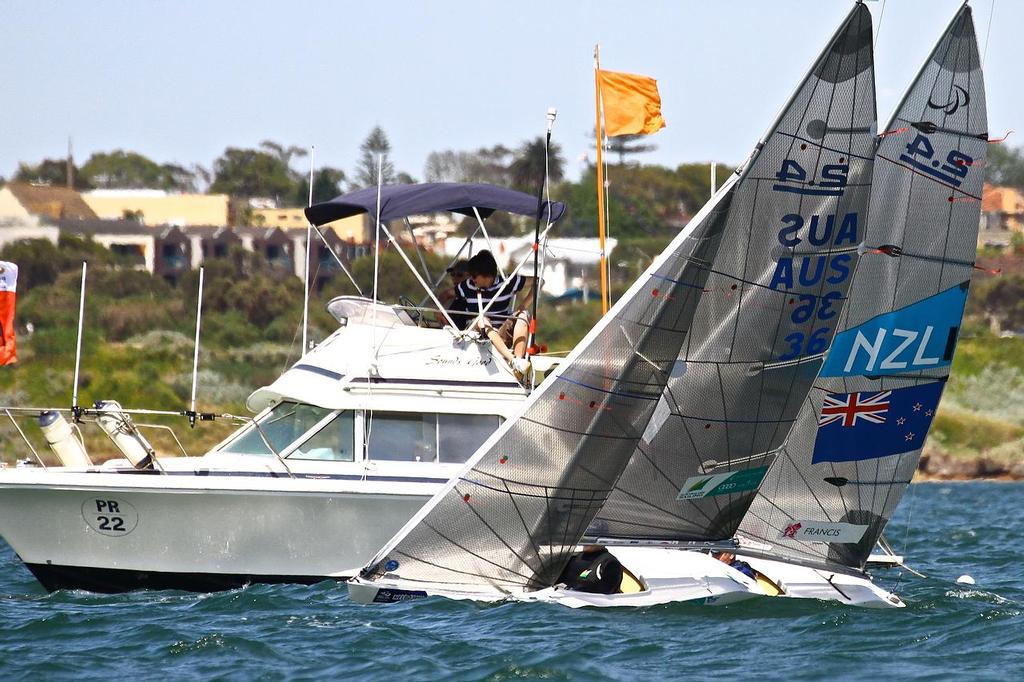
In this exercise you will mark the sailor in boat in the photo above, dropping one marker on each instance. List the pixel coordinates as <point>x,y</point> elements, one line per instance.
<point>594,570</point>
<point>492,299</point>
<point>456,306</point>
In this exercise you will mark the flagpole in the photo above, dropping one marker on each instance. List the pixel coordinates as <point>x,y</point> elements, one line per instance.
<point>600,176</point>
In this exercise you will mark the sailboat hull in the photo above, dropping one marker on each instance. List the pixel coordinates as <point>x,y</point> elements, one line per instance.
<point>666,575</point>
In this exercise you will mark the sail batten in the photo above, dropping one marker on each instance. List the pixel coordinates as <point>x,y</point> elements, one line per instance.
<point>856,443</point>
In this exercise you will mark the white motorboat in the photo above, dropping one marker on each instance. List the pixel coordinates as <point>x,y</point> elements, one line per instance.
<point>345,447</point>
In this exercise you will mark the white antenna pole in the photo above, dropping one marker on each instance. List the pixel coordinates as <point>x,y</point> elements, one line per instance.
<point>376,241</point>
<point>195,354</point>
<point>78,345</point>
<point>305,278</point>
<point>714,177</point>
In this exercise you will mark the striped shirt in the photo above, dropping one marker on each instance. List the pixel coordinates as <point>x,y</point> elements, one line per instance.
<point>503,302</point>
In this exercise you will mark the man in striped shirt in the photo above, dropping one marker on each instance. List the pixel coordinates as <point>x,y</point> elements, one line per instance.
<point>476,293</point>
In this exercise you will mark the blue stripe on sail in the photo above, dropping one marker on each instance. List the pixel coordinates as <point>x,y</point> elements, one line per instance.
<point>610,392</point>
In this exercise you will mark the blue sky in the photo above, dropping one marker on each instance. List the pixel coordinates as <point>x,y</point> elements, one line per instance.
<point>180,81</point>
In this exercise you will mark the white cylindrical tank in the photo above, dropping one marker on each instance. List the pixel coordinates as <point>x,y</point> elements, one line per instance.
<point>62,440</point>
<point>121,429</point>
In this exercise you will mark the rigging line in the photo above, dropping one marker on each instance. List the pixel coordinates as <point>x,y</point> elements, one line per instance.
<point>928,177</point>
<point>820,146</point>
<point>988,31</point>
<point>479,556</point>
<point>522,519</point>
<point>894,251</point>
<point>455,570</point>
<point>879,29</point>
<point>650,503</point>
<point>466,500</point>
<point>569,489</point>
<point>575,433</point>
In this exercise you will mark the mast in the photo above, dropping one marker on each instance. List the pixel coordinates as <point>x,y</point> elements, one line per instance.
<point>78,344</point>
<point>600,178</point>
<point>195,352</point>
<point>305,277</point>
<point>552,113</point>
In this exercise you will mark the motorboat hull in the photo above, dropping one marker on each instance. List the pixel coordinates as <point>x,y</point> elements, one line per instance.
<point>111,532</point>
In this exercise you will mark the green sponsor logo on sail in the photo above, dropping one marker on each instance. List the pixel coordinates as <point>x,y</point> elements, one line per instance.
<point>744,480</point>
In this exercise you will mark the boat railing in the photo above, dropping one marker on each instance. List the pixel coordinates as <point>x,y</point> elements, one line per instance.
<point>128,429</point>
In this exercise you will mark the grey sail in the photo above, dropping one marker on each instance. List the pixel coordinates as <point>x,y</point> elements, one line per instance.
<point>771,306</point>
<point>857,440</point>
<point>511,518</point>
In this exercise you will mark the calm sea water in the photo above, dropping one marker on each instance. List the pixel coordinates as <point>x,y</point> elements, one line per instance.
<point>273,632</point>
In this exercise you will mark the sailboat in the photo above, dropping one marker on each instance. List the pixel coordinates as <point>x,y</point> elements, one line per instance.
<point>745,298</point>
<point>857,440</point>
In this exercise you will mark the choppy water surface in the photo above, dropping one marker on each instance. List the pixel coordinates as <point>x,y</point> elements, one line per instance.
<point>272,632</point>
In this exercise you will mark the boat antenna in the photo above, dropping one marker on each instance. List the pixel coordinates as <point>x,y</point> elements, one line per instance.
<point>76,411</point>
<point>376,249</point>
<point>305,278</point>
<point>714,177</point>
<point>552,113</point>
<point>195,355</point>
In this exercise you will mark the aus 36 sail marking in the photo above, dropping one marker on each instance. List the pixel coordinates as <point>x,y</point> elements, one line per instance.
<point>806,271</point>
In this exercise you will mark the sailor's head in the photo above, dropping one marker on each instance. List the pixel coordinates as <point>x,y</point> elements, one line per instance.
<point>457,271</point>
<point>482,269</point>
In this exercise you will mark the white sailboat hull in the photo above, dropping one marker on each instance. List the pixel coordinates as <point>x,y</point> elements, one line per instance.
<point>110,532</point>
<point>668,576</point>
<point>801,582</point>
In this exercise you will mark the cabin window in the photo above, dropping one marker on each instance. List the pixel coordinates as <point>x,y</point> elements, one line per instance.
<point>334,442</point>
<point>459,435</point>
<point>401,437</point>
<point>281,427</point>
<point>410,437</point>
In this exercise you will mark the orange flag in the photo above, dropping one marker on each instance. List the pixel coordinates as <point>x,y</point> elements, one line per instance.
<point>8,287</point>
<point>632,105</point>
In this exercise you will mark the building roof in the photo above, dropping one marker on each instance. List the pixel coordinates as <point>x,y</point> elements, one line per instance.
<point>1002,200</point>
<point>56,203</point>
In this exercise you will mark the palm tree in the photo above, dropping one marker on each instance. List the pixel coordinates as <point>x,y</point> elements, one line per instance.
<point>527,167</point>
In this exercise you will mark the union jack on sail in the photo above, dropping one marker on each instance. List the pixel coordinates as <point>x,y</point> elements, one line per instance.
<point>849,407</point>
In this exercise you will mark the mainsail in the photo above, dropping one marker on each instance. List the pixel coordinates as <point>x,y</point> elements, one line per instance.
<point>511,518</point>
<point>768,312</point>
<point>857,441</point>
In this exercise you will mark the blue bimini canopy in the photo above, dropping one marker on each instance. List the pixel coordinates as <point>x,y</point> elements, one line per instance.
<point>399,201</point>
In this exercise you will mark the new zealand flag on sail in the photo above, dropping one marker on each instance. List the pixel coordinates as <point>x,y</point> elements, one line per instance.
<point>866,425</point>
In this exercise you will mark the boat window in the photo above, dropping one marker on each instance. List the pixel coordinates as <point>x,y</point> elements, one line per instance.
<point>401,437</point>
<point>459,435</point>
<point>282,425</point>
<point>334,442</point>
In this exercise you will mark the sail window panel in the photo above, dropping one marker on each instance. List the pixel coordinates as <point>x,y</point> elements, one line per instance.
<point>281,427</point>
<point>334,442</point>
<point>401,437</point>
<point>459,435</point>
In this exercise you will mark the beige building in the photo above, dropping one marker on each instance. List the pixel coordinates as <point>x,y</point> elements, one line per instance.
<point>156,207</point>
<point>353,228</point>
<point>23,201</point>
